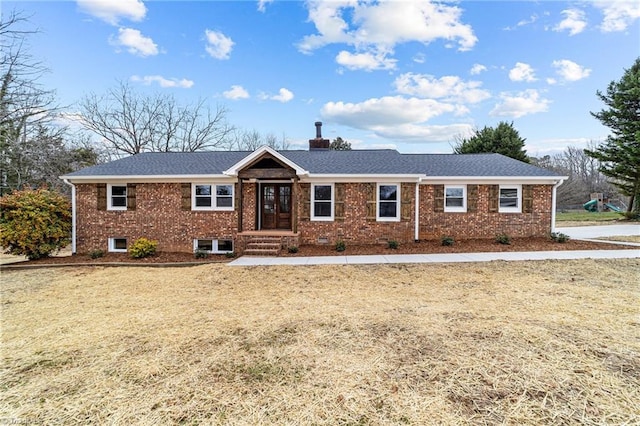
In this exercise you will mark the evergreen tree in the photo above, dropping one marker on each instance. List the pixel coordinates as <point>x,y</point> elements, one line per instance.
<point>620,153</point>
<point>339,144</point>
<point>504,139</point>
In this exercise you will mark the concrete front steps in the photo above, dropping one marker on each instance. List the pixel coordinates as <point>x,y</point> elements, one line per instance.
<point>263,246</point>
<point>265,242</point>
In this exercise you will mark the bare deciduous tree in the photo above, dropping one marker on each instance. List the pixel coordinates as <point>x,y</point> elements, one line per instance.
<point>250,140</point>
<point>23,100</point>
<point>33,151</point>
<point>132,123</point>
<point>584,176</point>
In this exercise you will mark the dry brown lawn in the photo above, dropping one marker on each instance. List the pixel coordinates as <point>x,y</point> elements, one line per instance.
<point>548,342</point>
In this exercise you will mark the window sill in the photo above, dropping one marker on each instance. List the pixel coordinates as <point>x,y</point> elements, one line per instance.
<point>387,219</point>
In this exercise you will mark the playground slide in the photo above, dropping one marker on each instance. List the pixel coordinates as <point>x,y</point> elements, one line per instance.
<point>613,208</point>
<point>591,206</point>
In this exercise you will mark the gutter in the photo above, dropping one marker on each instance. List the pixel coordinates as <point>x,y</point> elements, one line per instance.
<point>73,215</point>
<point>553,204</point>
<point>416,235</point>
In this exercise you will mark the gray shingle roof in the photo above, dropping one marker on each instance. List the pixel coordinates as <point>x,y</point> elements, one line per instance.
<point>384,162</point>
<point>166,163</point>
<point>484,165</point>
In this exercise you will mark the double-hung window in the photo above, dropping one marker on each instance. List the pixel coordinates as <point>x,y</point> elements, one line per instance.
<point>388,208</point>
<point>117,197</point>
<point>322,202</point>
<point>510,199</point>
<point>455,198</point>
<point>212,197</point>
<point>224,196</point>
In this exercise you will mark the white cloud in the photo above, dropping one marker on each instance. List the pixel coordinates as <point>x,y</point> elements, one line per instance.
<point>524,22</point>
<point>543,147</point>
<point>396,117</point>
<point>477,69</point>
<point>218,45</point>
<point>552,81</point>
<point>533,18</point>
<point>574,21</point>
<point>284,96</point>
<point>375,28</point>
<point>236,92</point>
<point>570,71</point>
<point>450,88</point>
<point>419,58</point>
<point>522,72</point>
<point>134,42</point>
<point>163,82</point>
<point>365,61</point>
<point>618,15</point>
<point>262,5</point>
<point>385,111</point>
<point>111,11</point>
<point>424,133</point>
<point>523,103</point>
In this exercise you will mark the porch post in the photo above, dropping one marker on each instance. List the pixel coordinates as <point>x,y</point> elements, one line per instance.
<point>240,205</point>
<point>294,210</point>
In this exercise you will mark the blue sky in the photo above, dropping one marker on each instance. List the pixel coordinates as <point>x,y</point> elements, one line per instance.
<point>410,75</point>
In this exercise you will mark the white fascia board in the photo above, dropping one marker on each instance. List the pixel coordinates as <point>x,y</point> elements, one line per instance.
<point>233,170</point>
<point>149,178</point>
<point>361,178</point>
<point>532,180</point>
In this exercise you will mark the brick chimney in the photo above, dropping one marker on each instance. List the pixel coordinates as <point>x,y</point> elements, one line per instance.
<point>318,144</point>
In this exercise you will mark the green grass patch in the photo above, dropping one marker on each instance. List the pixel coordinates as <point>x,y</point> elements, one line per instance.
<point>585,216</point>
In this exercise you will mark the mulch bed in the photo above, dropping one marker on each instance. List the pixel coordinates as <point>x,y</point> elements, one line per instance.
<point>463,246</point>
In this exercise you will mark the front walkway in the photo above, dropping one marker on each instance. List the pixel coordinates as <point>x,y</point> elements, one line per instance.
<point>437,258</point>
<point>586,232</point>
<point>578,232</point>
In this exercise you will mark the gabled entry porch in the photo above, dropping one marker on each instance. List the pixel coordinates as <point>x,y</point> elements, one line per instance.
<point>267,193</point>
<point>267,204</point>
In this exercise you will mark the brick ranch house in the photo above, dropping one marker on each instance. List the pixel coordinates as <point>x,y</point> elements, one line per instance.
<point>224,201</point>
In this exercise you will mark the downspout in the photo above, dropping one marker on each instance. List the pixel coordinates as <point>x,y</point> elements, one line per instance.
<point>416,235</point>
<point>73,215</point>
<point>553,205</point>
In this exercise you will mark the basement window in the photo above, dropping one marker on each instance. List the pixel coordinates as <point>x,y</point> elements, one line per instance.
<point>118,245</point>
<point>213,246</point>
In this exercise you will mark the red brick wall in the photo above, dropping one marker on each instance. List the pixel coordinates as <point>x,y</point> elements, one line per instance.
<point>249,210</point>
<point>158,216</point>
<point>482,223</point>
<point>355,227</point>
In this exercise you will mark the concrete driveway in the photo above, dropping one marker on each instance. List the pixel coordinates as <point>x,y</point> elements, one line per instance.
<point>582,232</point>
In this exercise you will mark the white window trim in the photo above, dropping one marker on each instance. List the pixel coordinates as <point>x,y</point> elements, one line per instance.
<point>214,199</point>
<point>313,201</point>
<point>518,208</point>
<point>112,245</point>
<point>110,206</point>
<point>398,198</point>
<point>214,245</point>
<point>452,209</point>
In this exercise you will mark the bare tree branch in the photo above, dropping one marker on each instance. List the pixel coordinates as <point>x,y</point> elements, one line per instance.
<point>132,123</point>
